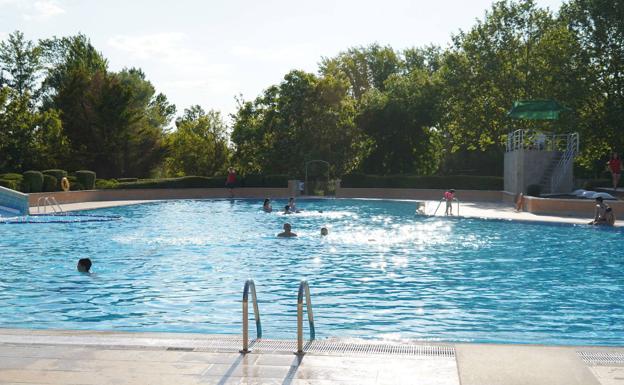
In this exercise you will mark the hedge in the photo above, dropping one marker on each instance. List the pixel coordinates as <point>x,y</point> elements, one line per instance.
<point>32,182</point>
<point>592,184</point>
<point>12,176</point>
<point>50,183</point>
<point>58,174</point>
<point>199,182</point>
<point>123,180</point>
<point>276,181</point>
<point>102,184</point>
<point>9,183</point>
<point>458,182</point>
<point>86,178</point>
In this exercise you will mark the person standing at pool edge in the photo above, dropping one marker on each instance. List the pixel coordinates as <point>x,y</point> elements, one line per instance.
<point>449,197</point>
<point>615,167</point>
<point>230,182</point>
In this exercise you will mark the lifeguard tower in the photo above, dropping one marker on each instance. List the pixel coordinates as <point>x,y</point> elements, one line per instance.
<point>538,157</point>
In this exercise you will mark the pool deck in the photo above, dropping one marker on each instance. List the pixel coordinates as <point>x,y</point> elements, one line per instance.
<point>467,209</point>
<point>93,357</point>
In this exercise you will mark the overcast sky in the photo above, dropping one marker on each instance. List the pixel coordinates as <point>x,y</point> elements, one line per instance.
<point>207,52</point>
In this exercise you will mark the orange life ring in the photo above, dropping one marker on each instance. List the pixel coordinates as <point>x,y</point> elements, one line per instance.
<point>65,184</point>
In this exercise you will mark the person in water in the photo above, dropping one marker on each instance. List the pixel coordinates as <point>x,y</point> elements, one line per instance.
<point>267,206</point>
<point>324,231</point>
<point>449,197</point>
<point>287,210</point>
<point>600,213</point>
<point>293,205</point>
<point>287,231</point>
<point>84,265</point>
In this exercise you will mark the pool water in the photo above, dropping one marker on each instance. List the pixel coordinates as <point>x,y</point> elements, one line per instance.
<point>382,272</point>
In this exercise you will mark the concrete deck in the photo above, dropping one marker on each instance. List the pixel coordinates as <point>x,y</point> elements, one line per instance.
<point>87,357</point>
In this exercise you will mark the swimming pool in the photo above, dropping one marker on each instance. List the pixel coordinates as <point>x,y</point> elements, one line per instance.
<point>382,272</point>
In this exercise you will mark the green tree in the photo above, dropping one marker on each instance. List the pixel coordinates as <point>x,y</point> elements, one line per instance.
<point>20,64</point>
<point>199,144</point>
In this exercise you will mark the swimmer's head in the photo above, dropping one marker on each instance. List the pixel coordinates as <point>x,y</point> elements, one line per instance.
<point>287,227</point>
<point>266,201</point>
<point>84,265</point>
<point>324,231</point>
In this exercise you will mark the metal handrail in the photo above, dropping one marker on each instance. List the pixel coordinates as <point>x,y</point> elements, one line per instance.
<point>54,201</point>
<point>250,286</point>
<point>304,288</point>
<point>48,201</point>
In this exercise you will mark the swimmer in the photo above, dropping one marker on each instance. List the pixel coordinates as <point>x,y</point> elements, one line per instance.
<point>267,206</point>
<point>287,210</point>
<point>324,231</point>
<point>287,231</point>
<point>600,213</point>
<point>84,265</point>
<point>293,206</point>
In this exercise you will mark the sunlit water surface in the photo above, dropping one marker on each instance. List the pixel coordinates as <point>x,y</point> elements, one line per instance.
<point>382,272</point>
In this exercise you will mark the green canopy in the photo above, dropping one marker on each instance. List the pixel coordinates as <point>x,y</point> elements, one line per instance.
<point>546,109</point>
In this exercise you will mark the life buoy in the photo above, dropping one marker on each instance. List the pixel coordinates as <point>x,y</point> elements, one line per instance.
<point>65,184</point>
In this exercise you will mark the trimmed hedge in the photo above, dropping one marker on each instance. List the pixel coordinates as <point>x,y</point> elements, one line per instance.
<point>183,182</point>
<point>32,182</point>
<point>9,183</point>
<point>593,183</point>
<point>253,180</point>
<point>50,183</point>
<point>58,174</point>
<point>86,178</point>
<point>458,182</point>
<point>275,181</point>
<point>124,180</point>
<point>11,176</point>
<point>103,184</point>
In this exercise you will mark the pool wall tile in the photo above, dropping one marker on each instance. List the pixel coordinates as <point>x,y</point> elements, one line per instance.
<point>14,200</point>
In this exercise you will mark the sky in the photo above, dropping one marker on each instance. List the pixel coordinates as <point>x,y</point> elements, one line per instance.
<point>208,52</point>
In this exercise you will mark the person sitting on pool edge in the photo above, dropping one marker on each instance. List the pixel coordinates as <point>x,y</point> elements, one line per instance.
<point>267,206</point>
<point>600,213</point>
<point>287,231</point>
<point>84,265</point>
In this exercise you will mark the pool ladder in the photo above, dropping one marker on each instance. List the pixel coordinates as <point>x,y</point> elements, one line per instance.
<point>51,202</point>
<point>304,292</point>
<point>444,200</point>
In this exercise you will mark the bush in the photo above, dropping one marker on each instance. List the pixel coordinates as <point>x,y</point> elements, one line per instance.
<point>75,186</point>
<point>11,176</point>
<point>124,180</point>
<point>534,190</point>
<point>183,182</point>
<point>276,181</point>
<point>459,182</point>
<point>86,178</point>
<point>102,184</point>
<point>9,183</point>
<point>253,180</point>
<point>32,182</point>
<point>58,174</point>
<point>50,183</point>
<point>592,184</point>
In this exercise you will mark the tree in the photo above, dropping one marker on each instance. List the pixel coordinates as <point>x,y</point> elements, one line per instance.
<point>19,64</point>
<point>199,145</point>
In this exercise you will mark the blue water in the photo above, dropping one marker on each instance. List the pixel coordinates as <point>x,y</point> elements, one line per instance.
<point>381,273</point>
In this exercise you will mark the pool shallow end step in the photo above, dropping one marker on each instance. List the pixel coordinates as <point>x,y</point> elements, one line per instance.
<point>65,356</point>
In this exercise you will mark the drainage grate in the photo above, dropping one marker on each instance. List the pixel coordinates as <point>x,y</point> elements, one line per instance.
<point>601,358</point>
<point>331,346</point>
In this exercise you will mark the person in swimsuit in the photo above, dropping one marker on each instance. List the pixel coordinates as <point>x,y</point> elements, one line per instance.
<point>230,181</point>
<point>449,196</point>
<point>615,167</point>
<point>287,232</point>
<point>600,213</point>
<point>324,231</point>
<point>84,265</point>
<point>267,206</point>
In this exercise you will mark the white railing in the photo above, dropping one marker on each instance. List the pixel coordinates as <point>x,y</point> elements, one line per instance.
<point>541,141</point>
<point>49,202</point>
<point>564,165</point>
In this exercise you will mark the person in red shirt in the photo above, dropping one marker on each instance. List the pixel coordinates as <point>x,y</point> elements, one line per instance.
<point>230,182</point>
<point>615,166</point>
<point>449,196</point>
